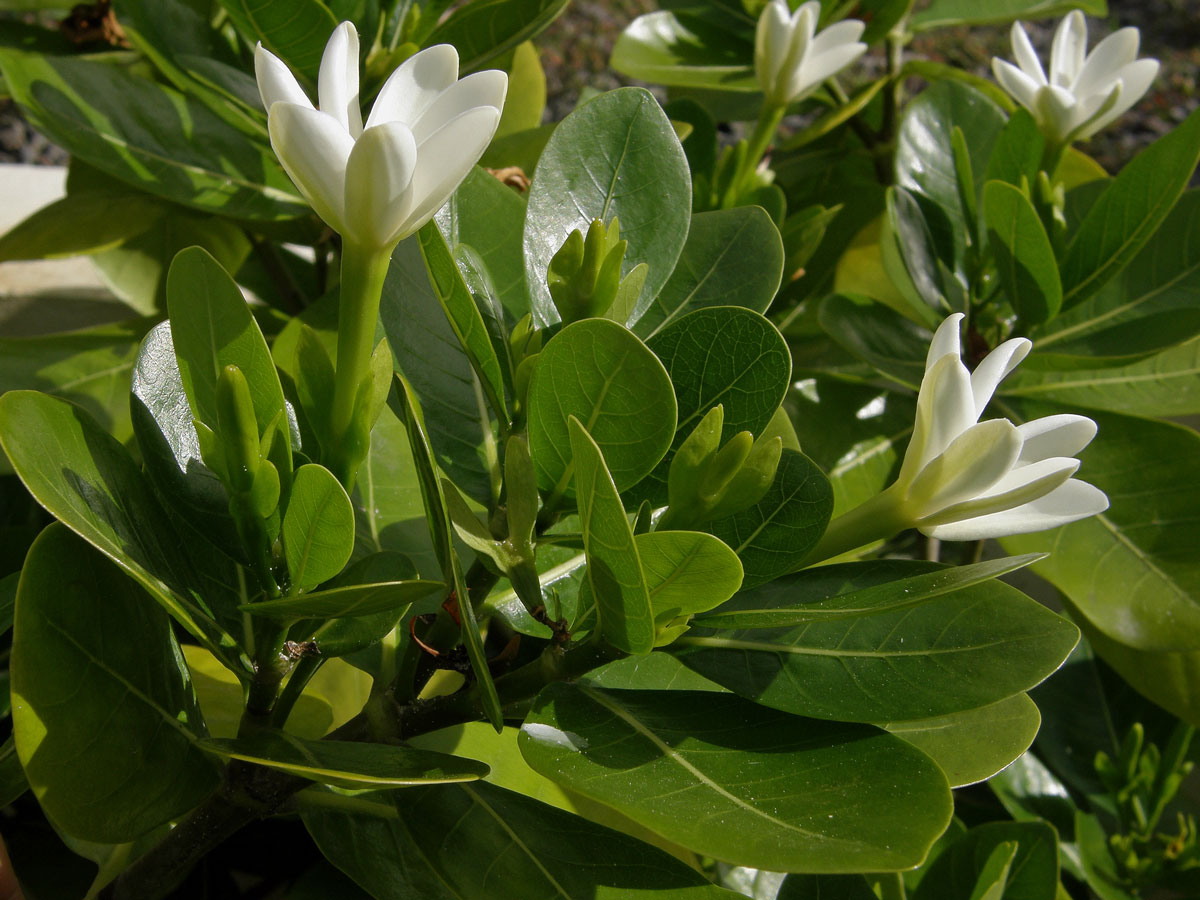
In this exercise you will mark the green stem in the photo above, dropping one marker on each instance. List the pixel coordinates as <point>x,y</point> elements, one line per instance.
<point>877,519</point>
<point>756,147</point>
<point>891,886</point>
<point>363,272</point>
<point>304,670</point>
<point>270,666</point>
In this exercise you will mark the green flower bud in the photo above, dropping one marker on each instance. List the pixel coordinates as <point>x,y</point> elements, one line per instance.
<point>237,429</point>
<point>585,274</point>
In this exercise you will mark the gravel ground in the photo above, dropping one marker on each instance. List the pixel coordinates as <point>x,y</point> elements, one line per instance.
<point>576,47</point>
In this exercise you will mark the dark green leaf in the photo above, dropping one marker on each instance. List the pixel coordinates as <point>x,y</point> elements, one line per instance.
<point>1017,152</point>
<point>687,47</point>
<point>954,652</point>
<point>825,887</point>
<point>597,371</point>
<point>482,30</point>
<point>80,223</point>
<point>12,777</point>
<point>103,711</point>
<point>731,779</point>
<point>318,527</point>
<point>614,157</point>
<point>879,336</point>
<point>351,600</point>
<point>295,32</point>
<point>776,534</point>
<point>941,13</point>
<point>1034,871</point>
<point>1024,257</point>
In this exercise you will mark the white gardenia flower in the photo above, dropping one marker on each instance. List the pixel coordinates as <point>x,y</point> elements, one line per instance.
<point>379,182</point>
<point>790,59</point>
<point>963,479</point>
<point>1085,91</point>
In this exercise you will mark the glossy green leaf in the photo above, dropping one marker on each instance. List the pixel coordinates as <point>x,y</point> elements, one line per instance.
<point>80,223</point>
<point>150,136</point>
<point>212,327</point>
<point>911,257</point>
<point>941,13</point>
<point>93,486</point>
<point>1132,569</point>
<point>351,600</point>
<point>891,595</point>
<point>1149,307</point>
<point>776,534</point>
<point>1129,211</point>
<point>733,780</point>
<point>616,156</point>
<point>482,30</point>
<point>954,652</point>
<point>721,355</point>
<point>825,887</point>
<point>614,570</point>
<point>597,371</point>
<point>525,102</point>
<point>1017,152</point>
<point>1033,874</point>
<point>1024,257</point>
<point>688,48</point>
<point>103,712</point>
<point>296,32</point>
<point>733,257</point>
<point>879,336</point>
<point>975,744</point>
<point>346,764</point>
<point>318,527</point>
<point>413,843</point>
<point>687,572</point>
<point>463,315</point>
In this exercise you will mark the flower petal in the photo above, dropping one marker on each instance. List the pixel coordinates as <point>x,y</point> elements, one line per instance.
<point>974,461</point>
<point>1019,86</point>
<point>414,85</point>
<point>944,411</point>
<point>789,79</point>
<point>485,88</point>
<point>994,368</point>
<point>1135,80</point>
<point>1061,435</point>
<point>771,38</point>
<point>313,148</point>
<point>445,158</point>
<point>847,31</point>
<point>1054,109</point>
<point>1070,502</point>
<point>1026,56</point>
<point>1021,485</point>
<point>276,83</point>
<point>337,82</point>
<point>1113,53</point>
<point>1068,50</point>
<point>818,67</point>
<point>379,183</point>
<point>945,340</point>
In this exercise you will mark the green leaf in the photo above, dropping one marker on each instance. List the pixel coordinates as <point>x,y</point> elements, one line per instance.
<point>103,711</point>
<point>598,372</point>
<point>1017,152</point>
<point>440,532</point>
<point>1129,211</point>
<point>942,13</point>
<point>733,780</point>
<point>1033,874</point>
<point>1132,570</point>
<point>722,355</point>
<point>13,782</point>
<point>687,48</point>
<point>351,600</point>
<point>614,570</point>
<point>413,843</point>
<point>89,481</point>
<point>614,157</point>
<point>211,327</point>
<point>80,223</point>
<point>890,595</point>
<point>526,99</point>
<point>1149,307</point>
<point>825,887</point>
<point>296,33</point>
<point>954,652</point>
<point>687,572</point>
<point>1024,257</point>
<point>775,535</point>
<point>463,315</point>
<point>483,30</point>
<point>975,744</point>
<point>894,345</point>
<point>150,136</point>
<point>733,257</point>
<point>347,764</point>
<point>318,527</point>
<point>911,258</point>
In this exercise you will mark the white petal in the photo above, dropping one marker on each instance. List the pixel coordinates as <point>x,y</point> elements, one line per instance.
<point>1098,110</point>
<point>789,78</point>
<point>1135,80</point>
<point>337,82</point>
<point>1114,52</point>
<point>945,410</point>
<point>1019,486</point>
<point>1069,502</point>
<point>1026,57</point>
<point>1061,435</point>
<point>276,83</point>
<point>994,368</point>
<point>485,88</point>
<point>313,148</point>
<point>414,85</point>
<point>1068,50</point>
<point>1020,86</point>
<point>945,340</point>
<point>445,158</point>
<point>974,461</point>
<point>847,31</point>
<point>817,68</point>
<point>1054,109</point>
<point>379,183</point>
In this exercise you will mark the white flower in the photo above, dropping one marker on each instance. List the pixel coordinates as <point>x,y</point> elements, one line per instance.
<point>378,183</point>
<point>1084,92</point>
<point>790,61</point>
<point>963,479</point>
